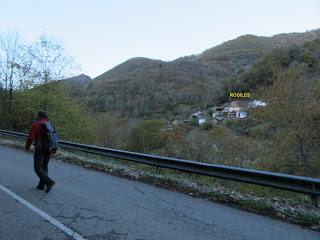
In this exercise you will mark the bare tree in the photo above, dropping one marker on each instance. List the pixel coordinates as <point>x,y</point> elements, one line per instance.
<point>49,63</point>
<point>10,67</point>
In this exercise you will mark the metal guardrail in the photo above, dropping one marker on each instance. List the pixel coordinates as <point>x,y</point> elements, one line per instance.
<point>293,183</point>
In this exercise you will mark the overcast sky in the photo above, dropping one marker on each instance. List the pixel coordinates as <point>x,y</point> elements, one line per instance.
<point>103,33</point>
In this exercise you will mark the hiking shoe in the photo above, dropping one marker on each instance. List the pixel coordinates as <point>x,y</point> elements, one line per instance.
<point>48,189</point>
<point>40,187</point>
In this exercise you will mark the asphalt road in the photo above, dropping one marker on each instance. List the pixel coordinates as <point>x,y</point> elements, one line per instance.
<point>97,206</point>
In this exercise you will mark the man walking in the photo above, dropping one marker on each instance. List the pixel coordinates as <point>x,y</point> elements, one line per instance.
<point>38,136</point>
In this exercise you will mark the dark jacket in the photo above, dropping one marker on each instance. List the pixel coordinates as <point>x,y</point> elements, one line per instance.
<point>35,134</point>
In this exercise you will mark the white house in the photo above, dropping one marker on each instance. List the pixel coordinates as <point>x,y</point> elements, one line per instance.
<point>241,114</point>
<point>201,121</point>
<point>232,107</point>
<point>258,103</point>
<point>197,115</point>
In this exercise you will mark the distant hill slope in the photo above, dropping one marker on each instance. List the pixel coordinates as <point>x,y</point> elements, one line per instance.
<point>75,86</point>
<point>81,79</point>
<point>142,87</point>
<point>242,52</point>
<point>268,68</point>
<point>129,67</point>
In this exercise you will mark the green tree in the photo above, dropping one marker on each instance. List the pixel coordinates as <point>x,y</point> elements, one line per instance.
<point>148,136</point>
<point>111,130</point>
<point>294,113</point>
<point>235,150</point>
<point>72,121</point>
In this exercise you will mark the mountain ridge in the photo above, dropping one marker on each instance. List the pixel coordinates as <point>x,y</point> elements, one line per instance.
<point>141,87</point>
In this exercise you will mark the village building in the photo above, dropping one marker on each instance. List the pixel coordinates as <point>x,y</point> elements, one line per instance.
<point>237,109</point>
<point>199,117</point>
<point>258,103</point>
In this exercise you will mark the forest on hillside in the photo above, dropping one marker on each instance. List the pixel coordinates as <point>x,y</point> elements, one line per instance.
<point>284,136</point>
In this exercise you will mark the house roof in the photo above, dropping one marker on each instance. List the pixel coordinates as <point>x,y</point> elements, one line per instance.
<point>237,103</point>
<point>196,114</point>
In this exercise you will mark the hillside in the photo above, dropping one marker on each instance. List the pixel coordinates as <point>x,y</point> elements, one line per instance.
<point>142,87</point>
<point>267,69</point>
<point>79,80</point>
<point>129,67</point>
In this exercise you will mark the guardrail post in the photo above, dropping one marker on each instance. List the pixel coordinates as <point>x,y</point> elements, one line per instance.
<point>315,199</point>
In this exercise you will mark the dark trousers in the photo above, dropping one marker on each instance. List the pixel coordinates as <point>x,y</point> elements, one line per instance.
<point>41,161</point>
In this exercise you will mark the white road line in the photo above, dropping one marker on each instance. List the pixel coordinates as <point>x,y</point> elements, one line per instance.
<point>44,215</point>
